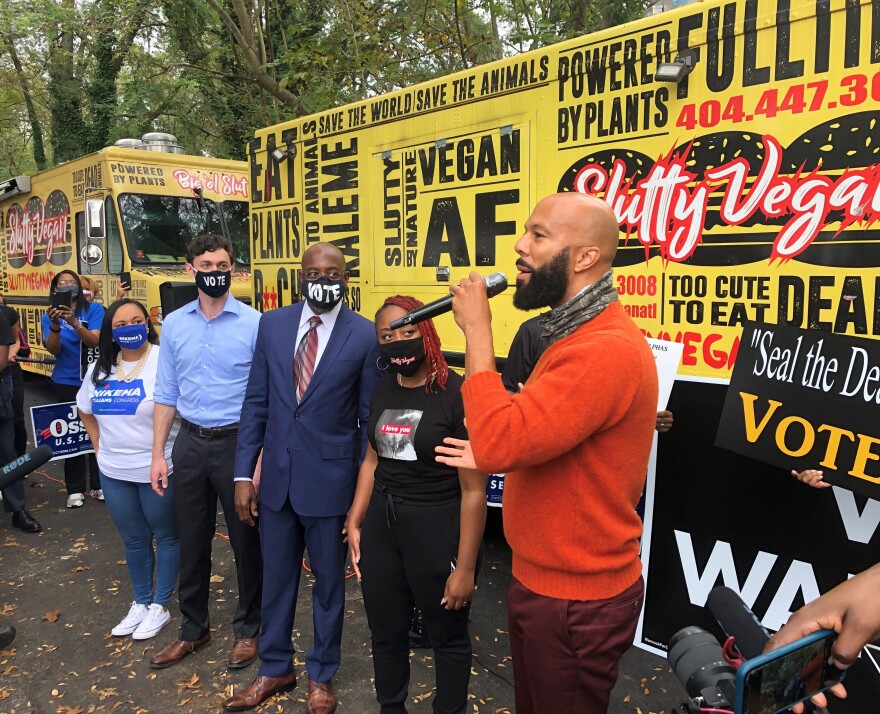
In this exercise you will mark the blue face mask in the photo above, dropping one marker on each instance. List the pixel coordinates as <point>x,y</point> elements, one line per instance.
<point>130,336</point>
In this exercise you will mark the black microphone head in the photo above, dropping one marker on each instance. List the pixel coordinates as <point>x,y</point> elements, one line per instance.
<point>738,621</point>
<point>23,465</point>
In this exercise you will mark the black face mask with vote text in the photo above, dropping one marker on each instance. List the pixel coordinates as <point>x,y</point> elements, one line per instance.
<point>323,294</point>
<point>214,283</point>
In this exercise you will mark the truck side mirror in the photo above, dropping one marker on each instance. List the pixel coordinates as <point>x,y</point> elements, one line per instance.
<point>95,220</point>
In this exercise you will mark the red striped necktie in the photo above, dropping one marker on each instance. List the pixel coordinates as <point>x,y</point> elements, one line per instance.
<point>304,361</point>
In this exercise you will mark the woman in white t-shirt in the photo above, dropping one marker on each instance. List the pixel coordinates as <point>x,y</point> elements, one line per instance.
<point>116,405</point>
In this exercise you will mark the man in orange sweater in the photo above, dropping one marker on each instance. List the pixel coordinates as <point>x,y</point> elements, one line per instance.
<point>574,444</point>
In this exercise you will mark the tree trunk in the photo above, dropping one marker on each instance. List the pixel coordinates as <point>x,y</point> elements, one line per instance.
<point>39,148</point>
<point>68,127</point>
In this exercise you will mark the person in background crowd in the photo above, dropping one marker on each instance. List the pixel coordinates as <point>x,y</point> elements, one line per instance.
<point>306,409</point>
<point>18,351</point>
<point>415,527</point>
<point>91,289</point>
<point>116,406</point>
<point>207,348</point>
<point>68,333</point>
<point>574,474</point>
<point>13,496</point>
<point>525,350</point>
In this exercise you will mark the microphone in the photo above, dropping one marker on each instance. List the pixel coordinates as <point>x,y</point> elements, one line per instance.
<point>738,621</point>
<point>23,465</point>
<point>495,283</point>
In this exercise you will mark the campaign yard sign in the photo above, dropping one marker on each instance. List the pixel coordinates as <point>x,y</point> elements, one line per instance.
<point>59,426</point>
<point>806,399</point>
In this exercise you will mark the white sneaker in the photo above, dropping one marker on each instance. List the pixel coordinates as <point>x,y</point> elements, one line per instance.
<point>75,500</point>
<point>157,617</point>
<point>130,622</point>
<point>97,493</point>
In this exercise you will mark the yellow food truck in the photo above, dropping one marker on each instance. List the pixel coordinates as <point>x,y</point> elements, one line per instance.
<point>129,208</point>
<point>738,142</point>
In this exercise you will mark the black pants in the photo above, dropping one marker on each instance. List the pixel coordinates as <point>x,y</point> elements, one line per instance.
<point>21,436</point>
<point>13,496</point>
<point>202,473</point>
<point>406,553</point>
<point>76,467</point>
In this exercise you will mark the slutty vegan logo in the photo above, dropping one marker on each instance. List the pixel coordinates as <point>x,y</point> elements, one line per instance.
<point>666,204</point>
<point>39,232</point>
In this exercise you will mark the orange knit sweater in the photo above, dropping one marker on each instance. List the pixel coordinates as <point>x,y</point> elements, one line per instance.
<point>574,445</point>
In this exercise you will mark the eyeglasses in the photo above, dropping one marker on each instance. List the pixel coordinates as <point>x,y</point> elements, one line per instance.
<point>65,283</point>
<point>316,274</point>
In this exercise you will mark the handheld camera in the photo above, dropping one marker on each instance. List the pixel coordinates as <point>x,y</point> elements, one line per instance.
<point>745,680</point>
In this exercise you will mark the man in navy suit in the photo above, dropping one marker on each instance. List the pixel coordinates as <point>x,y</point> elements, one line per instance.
<point>306,407</point>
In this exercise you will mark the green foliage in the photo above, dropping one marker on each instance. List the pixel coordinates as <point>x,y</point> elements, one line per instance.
<point>85,73</point>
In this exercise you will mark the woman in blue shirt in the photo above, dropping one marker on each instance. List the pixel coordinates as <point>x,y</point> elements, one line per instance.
<point>69,333</point>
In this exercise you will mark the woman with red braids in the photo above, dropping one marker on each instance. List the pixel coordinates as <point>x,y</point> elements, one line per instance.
<point>415,527</point>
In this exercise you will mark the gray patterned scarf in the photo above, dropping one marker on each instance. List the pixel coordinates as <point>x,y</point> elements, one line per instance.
<point>582,308</point>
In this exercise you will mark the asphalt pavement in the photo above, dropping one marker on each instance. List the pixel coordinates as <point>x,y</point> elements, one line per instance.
<point>66,587</point>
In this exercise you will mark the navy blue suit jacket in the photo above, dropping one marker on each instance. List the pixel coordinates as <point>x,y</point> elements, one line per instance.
<point>311,450</point>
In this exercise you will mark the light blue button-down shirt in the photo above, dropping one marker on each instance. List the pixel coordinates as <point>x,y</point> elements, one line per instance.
<point>204,364</point>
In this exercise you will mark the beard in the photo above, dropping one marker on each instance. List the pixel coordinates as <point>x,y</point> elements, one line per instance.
<point>546,286</point>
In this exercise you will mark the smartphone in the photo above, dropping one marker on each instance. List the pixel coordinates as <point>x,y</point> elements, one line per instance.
<point>61,299</point>
<point>770,683</point>
<point>125,278</point>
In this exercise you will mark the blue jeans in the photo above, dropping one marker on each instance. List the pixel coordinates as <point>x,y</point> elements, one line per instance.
<point>140,516</point>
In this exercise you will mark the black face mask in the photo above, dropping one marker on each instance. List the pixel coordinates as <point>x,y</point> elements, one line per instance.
<point>72,289</point>
<point>214,283</point>
<point>404,356</point>
<point>323,294</point>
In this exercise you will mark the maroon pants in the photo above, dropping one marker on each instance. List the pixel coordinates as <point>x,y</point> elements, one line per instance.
<point>566,652</point>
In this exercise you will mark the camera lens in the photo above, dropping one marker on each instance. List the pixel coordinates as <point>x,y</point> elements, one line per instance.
<point>698,662</point>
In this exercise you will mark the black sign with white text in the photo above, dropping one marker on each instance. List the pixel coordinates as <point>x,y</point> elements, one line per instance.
<point>806,399</point>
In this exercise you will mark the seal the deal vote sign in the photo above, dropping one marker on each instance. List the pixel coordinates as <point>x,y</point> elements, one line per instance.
<point>806,399</point>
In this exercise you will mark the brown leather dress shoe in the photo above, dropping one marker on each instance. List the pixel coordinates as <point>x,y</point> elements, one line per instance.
<point>176,651</point>
<point>321,699</point>
<point>259,691</point>
<point>243,652</point>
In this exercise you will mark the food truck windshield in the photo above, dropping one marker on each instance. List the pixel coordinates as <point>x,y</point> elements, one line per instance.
<point>158,228</point>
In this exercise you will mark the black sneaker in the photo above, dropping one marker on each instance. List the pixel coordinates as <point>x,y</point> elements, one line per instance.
<point>7,634</point>
<point>25,522</point>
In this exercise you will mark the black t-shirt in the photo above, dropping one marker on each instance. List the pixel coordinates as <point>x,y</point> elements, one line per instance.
<point>526,348</point>
<point>405,426</point>
<point>7,335</point>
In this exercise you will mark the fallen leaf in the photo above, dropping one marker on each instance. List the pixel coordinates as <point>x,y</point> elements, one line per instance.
<point>64,709</point>
<point>217,578</point>
<point>192,683</point>
<point>52,616</point>
<point>7,609</point>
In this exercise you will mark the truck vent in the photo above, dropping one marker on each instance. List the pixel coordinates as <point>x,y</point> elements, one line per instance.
<point>153,141</point>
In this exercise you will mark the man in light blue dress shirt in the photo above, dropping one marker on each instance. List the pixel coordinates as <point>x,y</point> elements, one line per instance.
<point>207,348</point>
